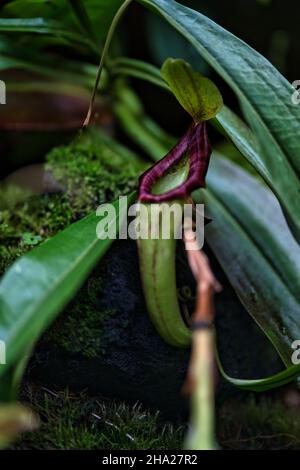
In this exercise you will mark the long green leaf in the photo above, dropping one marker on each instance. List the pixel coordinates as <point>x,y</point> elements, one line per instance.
<point>45,26</point>
<point>99,13</point>
<point>82,17</point>
<point>267,383</point>
<point>244,139</point>
<point>38,285</point>
<point>252,242</point>
<point>14,56</point>
<point>136,127</point>
<point>138,69</point>
<point>265,96</point>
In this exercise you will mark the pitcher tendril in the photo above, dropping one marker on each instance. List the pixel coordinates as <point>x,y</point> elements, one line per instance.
<point>109,37</point>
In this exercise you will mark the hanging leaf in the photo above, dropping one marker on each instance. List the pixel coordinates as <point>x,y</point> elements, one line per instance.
<point>253,244</point>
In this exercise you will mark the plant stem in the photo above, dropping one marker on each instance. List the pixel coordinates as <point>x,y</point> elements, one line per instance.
<point>109,37</point>
<point>201,435</point>
<point>200,377</point>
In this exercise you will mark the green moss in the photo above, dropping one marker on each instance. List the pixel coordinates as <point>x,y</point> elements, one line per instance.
<point>79,329</point>
<point>35,218</point>
<point>260,422</point>
<point>71,421</point>
<point>91,170</point>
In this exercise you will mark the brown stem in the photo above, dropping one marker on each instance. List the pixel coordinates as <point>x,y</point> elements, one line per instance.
<point>207,286</point>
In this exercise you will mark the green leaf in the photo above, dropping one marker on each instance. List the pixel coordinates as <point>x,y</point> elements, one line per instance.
<point>264,94</point>
<point>82,17</point>
<point>29,238</point>
<point>11,380</point>
<point>253,244</point>
<point>30,25</point>
<point>14,56</point>
<point>27,8</point>
<point>142,129</point>
<point>99,13</point>
<point>267,383</point>
<point>164,41</point>
<point>138,69</point>
<point>198,95</point>
<point>243,138</point>
<point>45,26</point>
<point>38,285</point>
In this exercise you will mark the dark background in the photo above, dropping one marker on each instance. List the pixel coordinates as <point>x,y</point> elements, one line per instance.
<point>269,26</point>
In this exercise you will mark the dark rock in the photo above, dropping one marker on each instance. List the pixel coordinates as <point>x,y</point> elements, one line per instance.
<point>123,357</point>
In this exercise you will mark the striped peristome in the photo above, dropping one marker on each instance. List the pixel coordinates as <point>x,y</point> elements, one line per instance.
<point>196,144</point>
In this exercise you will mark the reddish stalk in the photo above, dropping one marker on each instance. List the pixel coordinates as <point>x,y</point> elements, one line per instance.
<point>201,376</point>
<point>204,314</point>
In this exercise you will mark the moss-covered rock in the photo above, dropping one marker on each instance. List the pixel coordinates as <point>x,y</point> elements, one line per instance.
<point>31,221</point>
<point>105,343</point>
<point>79,330</point>
<point>91,170</point>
